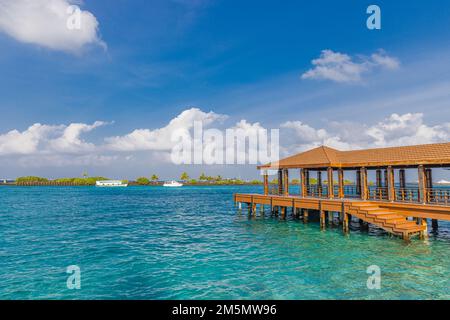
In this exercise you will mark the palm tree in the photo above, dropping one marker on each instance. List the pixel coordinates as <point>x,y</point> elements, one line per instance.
<point>184,176</point>
<point>155,178</point>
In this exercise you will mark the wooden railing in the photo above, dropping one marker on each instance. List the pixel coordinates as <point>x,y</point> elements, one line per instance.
<point>317,191</point>
<point>438,196</point>
<point>410,194</point>
<point>378,193</point>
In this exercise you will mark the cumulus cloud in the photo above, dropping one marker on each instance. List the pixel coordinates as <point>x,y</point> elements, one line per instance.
<point>161,139</point>
<point>64,145</point>
<point>47,139</point>
<point>340,67</point>
<point>45,23</point>
<point>395,130</point>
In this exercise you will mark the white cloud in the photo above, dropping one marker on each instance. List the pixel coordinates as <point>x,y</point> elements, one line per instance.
<point>395,130</point>
<point>63,145</point>
<point>160,139</point>
<point>47,139</point>
<point>44,23</point>
<point>341,67</point>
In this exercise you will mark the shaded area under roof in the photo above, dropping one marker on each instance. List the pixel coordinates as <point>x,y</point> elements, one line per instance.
<point>322,157</point>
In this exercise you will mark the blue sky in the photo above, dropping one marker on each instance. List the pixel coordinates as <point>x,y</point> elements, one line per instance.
<point>149,61</point>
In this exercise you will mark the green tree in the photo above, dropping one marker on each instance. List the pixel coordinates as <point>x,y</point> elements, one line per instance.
<point>143,181</point>
<point>203,177</point>
<point>155,178</point>
<point>184,176</point>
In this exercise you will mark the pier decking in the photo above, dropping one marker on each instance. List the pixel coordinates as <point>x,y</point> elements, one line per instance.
<point>395,206</point>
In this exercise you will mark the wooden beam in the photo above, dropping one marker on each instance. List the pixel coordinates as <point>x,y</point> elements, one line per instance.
<point>422,184</point>
<point>280,182</point>
<point>286,181</point>
<point>330,183</point>
<point>341,182</point>
<point>303,182</point>
<point>364,184</point>
<point>266,183</point>
<point>319,182</point>
<point>391,183</point>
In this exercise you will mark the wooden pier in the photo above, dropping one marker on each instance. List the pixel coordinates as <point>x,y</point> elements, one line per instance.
<point>393,205</point>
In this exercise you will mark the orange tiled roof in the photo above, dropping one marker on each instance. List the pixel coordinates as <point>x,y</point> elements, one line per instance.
<point>438,154</point>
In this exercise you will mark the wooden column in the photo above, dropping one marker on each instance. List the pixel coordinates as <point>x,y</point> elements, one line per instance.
<point>307,181</point>
<point>303,182</point>
<point>358,182</point>
<point>305,215</point>
<point>280,182</point>
<point>330,183</point>
<point>266,183</point>
<point>341,183</point>
<point>319,182</point>
<point>379,178</point>
<point>364,186</point>
<point>322,219</point>
<point>402,178</point>
<point>345,221</point>
<point>286,181</point>
<point>429,184</point>
<point>391,183</point>
<point>422,184</point>
<point>386,178</point>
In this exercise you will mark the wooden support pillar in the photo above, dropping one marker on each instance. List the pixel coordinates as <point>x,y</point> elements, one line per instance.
<point>402,178</point>
<point>391,183</point>
<point>345,223</point>
<point>330,217</point>
<point>283,212</point>
<point>364,184</point>
<point>423,233</point>
<point>303,182</point>
<point>358,182</point>
<point>429,184</point>
<point>280,182</point>
<point>341,183</point>
<point>322,219</point>
<point>305,215</point>
<point>386,179</point>
<point>319,182</point>
<point>379,179</point>
<point>266,183</point>
<point>434,224</point>
<point>422,184</point>
<point>330,183</point>
<point>286,182</point>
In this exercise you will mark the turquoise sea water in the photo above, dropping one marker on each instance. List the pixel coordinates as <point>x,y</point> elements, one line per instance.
<point>191,243</point>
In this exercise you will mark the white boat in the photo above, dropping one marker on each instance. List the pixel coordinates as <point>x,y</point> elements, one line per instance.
<point>172,183</point>
<point>443,182</point>
<point>110,183</point>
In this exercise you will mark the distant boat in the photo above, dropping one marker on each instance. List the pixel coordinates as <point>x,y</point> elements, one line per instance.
<point>110,183</point>
<point>443,182</point>
<point>172,183</point>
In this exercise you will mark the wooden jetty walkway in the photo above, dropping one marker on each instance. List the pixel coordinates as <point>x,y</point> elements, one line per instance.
<point>400,208</point>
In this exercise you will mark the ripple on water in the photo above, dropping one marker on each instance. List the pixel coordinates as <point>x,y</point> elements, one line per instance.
<point>190,243</point>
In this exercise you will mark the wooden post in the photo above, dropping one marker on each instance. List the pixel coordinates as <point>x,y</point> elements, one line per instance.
<point>283,212</point>
<point>358,182</point>
<point>280,182</point>
<point>341,182</point>
<point>286,181</point>
<point>423,233</point>
<point>266,183</point>
<point>391,183</point>
<point>303,182</point>
<point>345,221</point>
<point>322,219</point>
<point>429,185</point>
<point>364,188</point>
<point>307,181</point>
<point>379,185</point>
<point>319,183</point>
<point>330,183</point>
<point>422,184</point>
<point>305,215</point>
<point>434,224</point>
<point>330,217</point>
